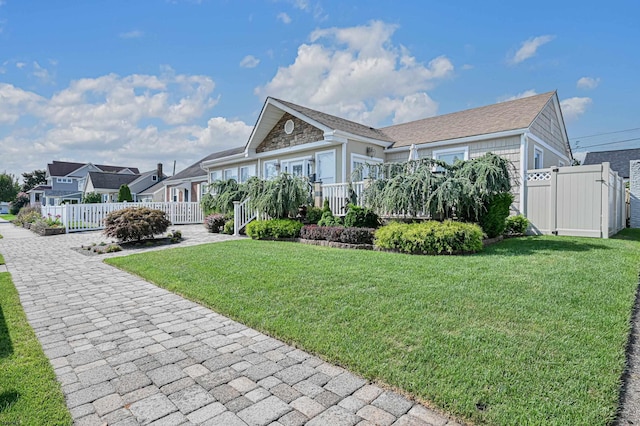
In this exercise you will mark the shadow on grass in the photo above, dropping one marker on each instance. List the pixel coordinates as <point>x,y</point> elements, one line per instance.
<point>628,234</point>
<point>531,245</point>
<point>6,347</point>
<point>7,399</point>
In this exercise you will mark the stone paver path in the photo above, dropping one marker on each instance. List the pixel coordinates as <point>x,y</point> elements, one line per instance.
<point>127,352</point>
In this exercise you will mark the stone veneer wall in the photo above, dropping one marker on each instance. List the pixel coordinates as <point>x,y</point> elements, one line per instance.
<point>634,188</point>
<point>302,133</point>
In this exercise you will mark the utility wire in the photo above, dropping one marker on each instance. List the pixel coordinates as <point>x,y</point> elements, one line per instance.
<point>605,133</point>
<point>607,143</point>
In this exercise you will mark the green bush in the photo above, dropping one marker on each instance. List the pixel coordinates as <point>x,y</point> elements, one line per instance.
<point>516,225</point>
<point>124,194</point>
<point>22,200</point>
<point>27,214</point>
<point>135,223</point>
<point>228,227</point>
<point>314,214</point>
<point>361,217</point>
<point>328,219</point>
<point>430,237</point>
<point>493,219</point>
<point>92,198</point>
<point>274,228</point>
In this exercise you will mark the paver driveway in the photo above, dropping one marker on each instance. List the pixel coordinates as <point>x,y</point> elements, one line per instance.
<point>127,352</point>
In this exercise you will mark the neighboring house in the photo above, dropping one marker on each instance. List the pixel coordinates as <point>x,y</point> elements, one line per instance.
<point>4,207</point>
<point>108,184</point>
<point>152,194</point>
<point>190,184</point>
<point>619,160</point>
<point>66,180</point>
<point>530,132</point>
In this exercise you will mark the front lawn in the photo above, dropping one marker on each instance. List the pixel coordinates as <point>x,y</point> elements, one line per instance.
<point>8,217</point>
<point>29,392</point>
<point>530,331</point>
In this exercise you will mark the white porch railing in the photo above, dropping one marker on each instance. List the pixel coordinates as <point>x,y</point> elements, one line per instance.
<point>339,196</point>
<point>242,215</point>
<point>90,217</point>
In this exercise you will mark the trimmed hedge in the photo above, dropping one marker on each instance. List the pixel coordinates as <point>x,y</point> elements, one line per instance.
<point>493,219</point>
<point>135,223</point>
<point>516,225</point>
<point>338,234</point>
<point>275,228</point>
<point>430,237</point>
<point>361,217</point>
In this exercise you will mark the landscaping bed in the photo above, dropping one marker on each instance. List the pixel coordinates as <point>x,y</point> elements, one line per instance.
<point>529,331</point>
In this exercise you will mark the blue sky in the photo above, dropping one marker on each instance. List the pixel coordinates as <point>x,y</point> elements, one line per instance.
<point>137,82</point>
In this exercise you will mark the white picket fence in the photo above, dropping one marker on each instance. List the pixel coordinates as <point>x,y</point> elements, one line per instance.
<point>242,215</point>
<point>339,195</point>
<point>90,217</point>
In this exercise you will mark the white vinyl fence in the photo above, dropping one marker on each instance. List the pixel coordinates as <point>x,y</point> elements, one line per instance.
<point>339,195</point>
<point>584,201</point>
<point>90,217</point>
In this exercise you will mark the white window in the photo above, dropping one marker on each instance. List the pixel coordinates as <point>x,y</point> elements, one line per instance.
<point>451,155</point>
<point>359,169</point>
<point>247,172</point>
<point>538,162</point>
<point>80,184</point>
<point>270,169</point>
<point>105,198</point>
<point>231,174</point>
<point>326,166</point>
<point>174,194</point>
<point>215,175</point>
<point>203,189</point>
<point>64,180</point>
<point>296,166</point>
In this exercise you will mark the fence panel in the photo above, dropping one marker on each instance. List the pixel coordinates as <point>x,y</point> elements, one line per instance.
<point>340,194</point>
<point>89,217</point>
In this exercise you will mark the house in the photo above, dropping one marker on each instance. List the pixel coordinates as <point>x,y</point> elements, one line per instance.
<point>619,160</point>
<point>190,184</point>
<point>154,193</point>
<point>4,207</point>
<point>530,132</point>
<point>66,181</point>
<point>108,184</point>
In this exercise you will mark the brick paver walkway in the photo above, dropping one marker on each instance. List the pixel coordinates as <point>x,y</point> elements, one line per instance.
<point>127,352</point>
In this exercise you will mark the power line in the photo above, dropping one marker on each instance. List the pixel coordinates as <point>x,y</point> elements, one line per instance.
<point>608,143</point>
<point>605,133</point>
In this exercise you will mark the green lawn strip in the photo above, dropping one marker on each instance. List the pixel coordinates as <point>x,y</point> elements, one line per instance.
<point>530,331</point>
<point>1,260</point>
<point>29,392</point>
<point>8,217</point>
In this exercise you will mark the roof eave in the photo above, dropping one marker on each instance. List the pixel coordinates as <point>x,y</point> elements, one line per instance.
<point>466,139</point>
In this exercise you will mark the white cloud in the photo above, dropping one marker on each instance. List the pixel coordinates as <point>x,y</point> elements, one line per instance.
<point>282,16</point>
<point>467,67</point>
<point>358,73</point>
<point>588,83</point>
<point>21,65</point>
<point>249,61</point>
<point>572,108</point>
<point>520,95</point>
<point>131,34</point>
<point>135,120</point>
<point>529,48</point>
<point>42,73</point>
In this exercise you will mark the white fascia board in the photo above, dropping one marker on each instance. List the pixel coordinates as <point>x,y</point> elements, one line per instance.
<point>357,138</point>
<point>467,139</point>
<point>183,180</point>
<point>216,161</point>
<point>547,146</point>
<point>299,115</point>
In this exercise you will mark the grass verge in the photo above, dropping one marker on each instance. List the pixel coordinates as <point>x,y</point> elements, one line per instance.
<point>8,217</point>
<point>530,331</point>
<point>29,392</point>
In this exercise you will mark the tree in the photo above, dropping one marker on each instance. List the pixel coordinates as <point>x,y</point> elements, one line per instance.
<point>92,198</point>
<point>124,194</point>
<point>8,187</point>
<point>32,179</point>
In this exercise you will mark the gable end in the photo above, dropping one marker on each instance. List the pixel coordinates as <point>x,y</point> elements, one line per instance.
<point>277,138</point>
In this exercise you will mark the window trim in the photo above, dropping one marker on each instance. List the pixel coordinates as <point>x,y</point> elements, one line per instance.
<point>537,149</point>
<point>465,149</point>
<point>317,162</point>
<point>64,180</point>
<point>249,166</point>
<point>232,169</point>
<point>284,164</point>
<point>264,168</point>
<point>211,179</point>
<point>366,158</point>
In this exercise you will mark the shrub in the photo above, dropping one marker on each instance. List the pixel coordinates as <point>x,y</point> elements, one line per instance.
<point>325,206</point>
<point>135,223</point>
<point>338,234</point>
<point>222,195</point>
<point>38,226</point>
<point>22,200</point>
<point>124,193</point>
<point>281,197</point>
<point>314,214</point>
<point>430,237</point>
<point>361,217</point>
<point>516,225</point>
<point>92,198</point>
<point>328,219</point>
<point>27,214</point>
<point>215,222</point>
<point>493,219</point>
<point>228,227</point>
<point>274,228</point>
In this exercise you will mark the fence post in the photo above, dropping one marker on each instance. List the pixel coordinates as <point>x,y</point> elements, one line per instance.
<point>317,194</point>
<point>634,194</point>
<point>553,202</point>
<point>236,218</point>
<point>604,221</point>
<point>65,218</point>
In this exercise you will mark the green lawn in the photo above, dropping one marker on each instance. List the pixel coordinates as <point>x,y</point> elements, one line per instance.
<point>29,392</point>
<point>530,331</point>
<point>1,260</point>
<point>8,217</point>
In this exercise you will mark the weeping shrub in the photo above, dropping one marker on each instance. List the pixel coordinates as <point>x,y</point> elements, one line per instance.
<point>222,194</point>
<point>493,219</point>
<point>281,197</point>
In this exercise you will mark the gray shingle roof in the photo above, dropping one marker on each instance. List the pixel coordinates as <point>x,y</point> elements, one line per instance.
<point>619,159</point>
<point>338,123</point>
<point>63,168</point>
<point>500,117</point>
<point>194,170</point>
<point>111,180</point>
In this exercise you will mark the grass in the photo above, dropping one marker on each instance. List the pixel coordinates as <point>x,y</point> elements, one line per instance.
<point>8,217</point>
<point>530,331</point>
<point>1,260</point>
<point>29,392</point>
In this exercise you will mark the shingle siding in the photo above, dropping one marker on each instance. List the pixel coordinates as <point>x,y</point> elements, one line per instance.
<point>302,133</point>
<point>547,127</point>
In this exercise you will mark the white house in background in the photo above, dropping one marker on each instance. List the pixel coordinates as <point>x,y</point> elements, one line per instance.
<point>66,181</point>
<point>530,132</point>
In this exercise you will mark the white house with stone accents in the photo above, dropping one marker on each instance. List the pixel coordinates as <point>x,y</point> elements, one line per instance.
<point>530,132</point>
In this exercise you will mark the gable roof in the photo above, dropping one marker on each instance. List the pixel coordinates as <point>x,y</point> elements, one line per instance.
<point>195,171</point>
<point>101,180</point>
<point>619,159</point>
<point>116,169</point>
<point>153,188</point>
<point>500,117</point>
<point>64,168</point>
<point>338,123</point>
<point>141,183</point>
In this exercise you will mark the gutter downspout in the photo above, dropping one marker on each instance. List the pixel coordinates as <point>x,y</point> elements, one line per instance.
<point>524,150</point>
